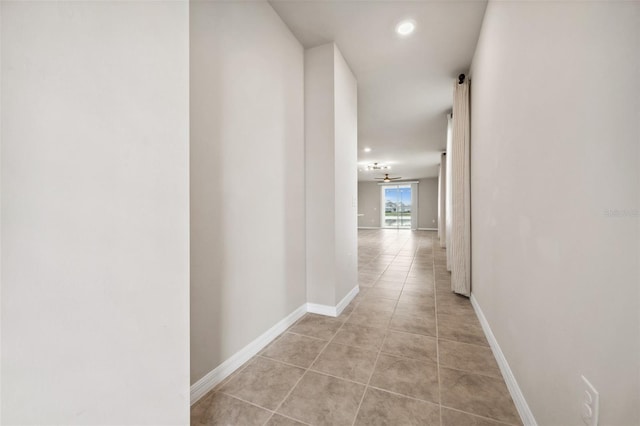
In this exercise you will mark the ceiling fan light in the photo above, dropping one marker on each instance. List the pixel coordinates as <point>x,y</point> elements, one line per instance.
<point>378,166</point>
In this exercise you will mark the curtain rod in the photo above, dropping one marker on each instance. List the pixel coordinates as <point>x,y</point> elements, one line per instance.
<point>461,78</point>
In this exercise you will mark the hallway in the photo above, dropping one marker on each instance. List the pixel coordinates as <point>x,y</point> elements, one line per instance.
<point>400,354</point>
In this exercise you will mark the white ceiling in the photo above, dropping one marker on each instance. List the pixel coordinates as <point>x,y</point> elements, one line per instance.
<point>405,85</point>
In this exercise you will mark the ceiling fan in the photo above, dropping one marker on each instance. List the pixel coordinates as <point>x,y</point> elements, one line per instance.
<point>386,178</point>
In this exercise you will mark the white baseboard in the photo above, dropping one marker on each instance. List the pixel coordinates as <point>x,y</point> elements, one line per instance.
<point>333,311</point>
<point>327,310</point>
<point>221,372</point>
<point>516,394</point>
<point>427,229</point>
<point>347,299</point>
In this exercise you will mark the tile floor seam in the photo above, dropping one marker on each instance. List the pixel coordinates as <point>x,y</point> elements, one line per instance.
<point>413,334</point>
<point>233,374</point>
<point>433,363</point>
<point>297,334</point>
<point>337,377</point>
<point>464,343</point>
<point>287,417</point>
<point>403,395</point>
<point>472,372</point>
<point>283,362</point>
<point>353,346</point>
<point>308,369</point>
<point>245,401</point>
<point>416,263</point>
<point>314,371</point>
<point>261,407</point>
<point>480,416</point>
<point>375,364</point>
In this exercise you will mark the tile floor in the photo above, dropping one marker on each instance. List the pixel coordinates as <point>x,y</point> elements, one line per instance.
<point>406,351</point>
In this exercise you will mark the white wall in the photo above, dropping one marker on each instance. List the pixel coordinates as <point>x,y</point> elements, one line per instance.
<point>346,176</point>
<point>95,213</point>
<point>369,204</point>
<point>555,147</point>
<point>247,177</point>
<point>320,183</point>
<point>1,173</point>
<point>428,203</point>
<point>331,175</point>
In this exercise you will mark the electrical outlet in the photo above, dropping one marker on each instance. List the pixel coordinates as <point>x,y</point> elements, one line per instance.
<point>590,402</point>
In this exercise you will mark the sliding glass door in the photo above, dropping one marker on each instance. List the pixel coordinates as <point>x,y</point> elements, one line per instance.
<point>396,206</point>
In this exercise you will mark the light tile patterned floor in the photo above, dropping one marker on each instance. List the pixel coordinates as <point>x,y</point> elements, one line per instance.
<point>406,351</point>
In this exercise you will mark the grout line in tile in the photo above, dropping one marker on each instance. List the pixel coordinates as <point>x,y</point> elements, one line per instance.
<point>269,419</point>
<point>232,375</point>
<point>298,334</point>
<point>472,372</point>
<point>290,418</point>
<point>478,415</point>
<point>283,362</point>
<point>403,395</point>
<point>263,408</point>
<point>464,343</point>
<point>356,347</point>
<point>375,364</point>
<point>310,365</point>
<point>239,370</point>
<point>336,377</point>
<point>245,401</point>
<point>399,245</point>
<point>460,341</point>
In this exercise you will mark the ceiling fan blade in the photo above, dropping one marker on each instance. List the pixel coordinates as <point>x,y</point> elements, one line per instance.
<point>386,178</point>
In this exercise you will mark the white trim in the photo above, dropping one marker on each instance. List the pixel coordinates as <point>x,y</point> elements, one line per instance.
<point>427,229</point>
<point>347,299</point>
<point>327,310</point>
<point>368,227</point>
<point>333,311</point>
<point>516,394</point>
<point>221,372</point>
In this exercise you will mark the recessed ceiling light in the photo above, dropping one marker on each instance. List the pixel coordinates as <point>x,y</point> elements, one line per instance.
<point>406,27</point>
<point>367,149</point>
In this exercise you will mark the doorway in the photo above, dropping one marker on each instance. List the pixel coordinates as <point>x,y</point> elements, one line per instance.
<point>396,206</point>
